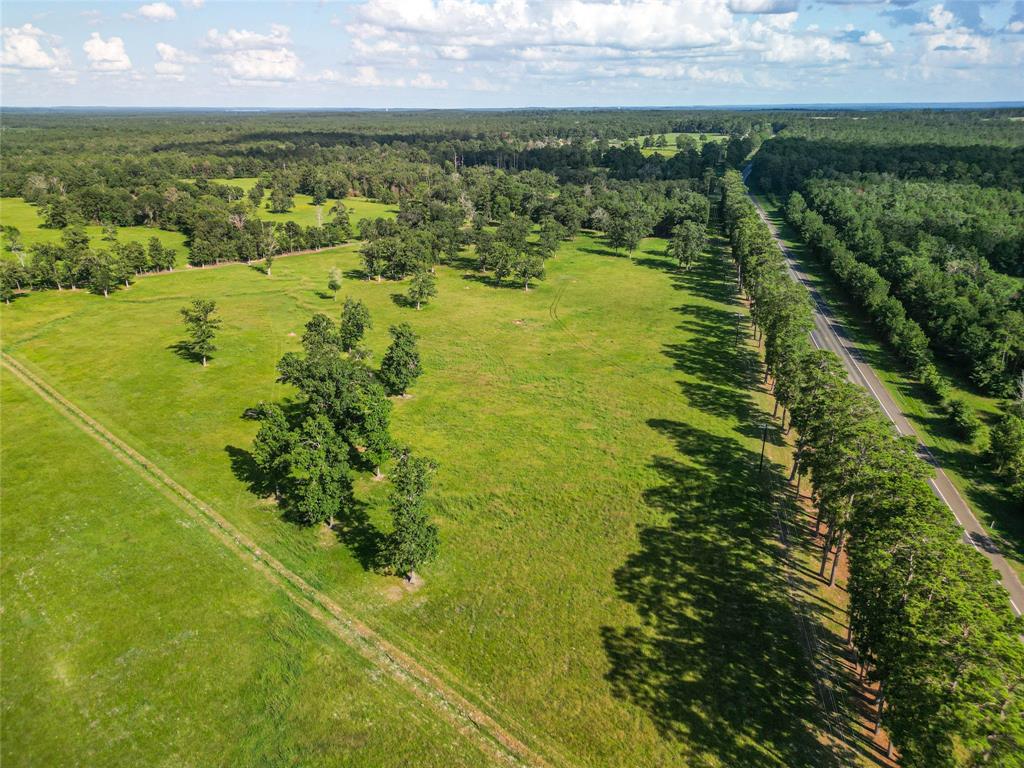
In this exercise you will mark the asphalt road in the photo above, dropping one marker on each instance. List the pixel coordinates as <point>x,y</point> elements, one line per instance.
<point>829,334</point>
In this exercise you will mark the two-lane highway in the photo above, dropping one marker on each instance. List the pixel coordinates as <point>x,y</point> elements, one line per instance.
<point>829,334</point>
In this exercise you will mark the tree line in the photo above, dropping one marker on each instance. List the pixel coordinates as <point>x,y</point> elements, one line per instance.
<point>901,263</point>
<point>930,623</point>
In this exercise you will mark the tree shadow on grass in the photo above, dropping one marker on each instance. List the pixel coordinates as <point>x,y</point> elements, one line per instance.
<point>353,526</point>
<point>403,301</point>
<point>181,349</point>
<point>715,661</point>
<point>603,251</point>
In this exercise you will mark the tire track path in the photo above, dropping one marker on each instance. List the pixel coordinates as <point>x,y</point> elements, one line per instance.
<point>468,719</point>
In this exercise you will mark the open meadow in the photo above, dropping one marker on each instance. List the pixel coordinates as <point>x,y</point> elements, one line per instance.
<point>608,587</point>
<point>16,212</point>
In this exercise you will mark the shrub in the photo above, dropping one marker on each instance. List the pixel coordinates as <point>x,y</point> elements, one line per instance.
<point>963,419</point>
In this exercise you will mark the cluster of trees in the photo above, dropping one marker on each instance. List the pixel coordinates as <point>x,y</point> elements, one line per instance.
<point>508,252</point>
<point>308,450</point>
<point>73,263</point>
<point>921,289</point>
<point>222,231</point>
<point>1006,443</point>
<point>927,616</point>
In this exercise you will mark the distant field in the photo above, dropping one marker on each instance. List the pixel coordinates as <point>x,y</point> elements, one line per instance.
<point>608,584</point>
<point>14,211</point>
<point>131,637</point>
<point>670,138</point>
<point>25,216</point>
<point>305,212</point>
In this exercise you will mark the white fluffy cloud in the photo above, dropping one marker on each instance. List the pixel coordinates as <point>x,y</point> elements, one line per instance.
<point>193,3</point>
<point>172,62</point>
<point>157,12</point>
<point>249,57</point>
<point>504,23</point>
<point>949,45</point>
<point>23,49</point>
<point>763,6</point>
<point>244,39</point>
<point>261,65</point>
<point>106,55</point>
<point>426,80</point>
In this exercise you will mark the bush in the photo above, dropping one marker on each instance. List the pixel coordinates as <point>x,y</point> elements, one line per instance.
<point>964,420</point>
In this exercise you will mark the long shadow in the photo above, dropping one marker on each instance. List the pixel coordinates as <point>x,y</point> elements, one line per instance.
<point>353,527</point>
<point>181,349</point>
<point>715,661</point>
<point>597,251</point>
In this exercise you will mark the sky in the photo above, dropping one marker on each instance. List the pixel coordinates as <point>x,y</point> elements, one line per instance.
<point>509,53</point>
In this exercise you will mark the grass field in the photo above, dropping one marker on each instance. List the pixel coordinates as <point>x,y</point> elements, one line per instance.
<point>305,212</point>
<point>965,463</point>
<point>25,216</point>
<point>131,637</point>
<point>670,138</point>
<point>608,584</point>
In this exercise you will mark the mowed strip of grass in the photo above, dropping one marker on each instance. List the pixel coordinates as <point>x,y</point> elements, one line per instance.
<point>965,463</point>
<point>26,217</point>
<point>131,636</point>
<point>607,584</point>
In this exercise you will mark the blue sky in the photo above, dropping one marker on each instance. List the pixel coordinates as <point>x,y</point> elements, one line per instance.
<point>494,53</point>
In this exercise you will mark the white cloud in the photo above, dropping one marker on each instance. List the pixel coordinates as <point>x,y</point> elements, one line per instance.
<point>872,38</point>
<point>106,55</point>
<point>23,49</point>
<point>631,24</point>
<point>763,6</point>
<point>193,3</point>
<point>172,62</point>
<point>427,81</point>
<point>244,39</point>
<point>368,77</point>
<point>261,65</point>
<point>157,12</point>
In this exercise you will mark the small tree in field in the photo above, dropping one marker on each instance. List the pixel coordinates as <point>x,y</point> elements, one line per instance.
<point>355,319</point>
<point>400,366</point>
<point>201,326</point>
<point>334,281</point>
<point>414,540</point>
<point>422,287</point>
<point>529,266</point>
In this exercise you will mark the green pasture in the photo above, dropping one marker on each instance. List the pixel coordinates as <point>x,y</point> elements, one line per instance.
<point>130,636</point>
<point>965,463</point>
<point>607,587</point>
<point>670,149</point>
<point>305,213</point>
<point>16,212</point>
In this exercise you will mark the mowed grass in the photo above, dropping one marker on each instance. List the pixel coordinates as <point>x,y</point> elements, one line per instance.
<point>130,636</point>
<point>965,463</point>
<point>670,138</point>
<point>305,213</point>
<point>26,217</point>
<point>607,586</point>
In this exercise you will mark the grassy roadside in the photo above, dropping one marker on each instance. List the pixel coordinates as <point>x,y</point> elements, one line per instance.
<point>965,464</point>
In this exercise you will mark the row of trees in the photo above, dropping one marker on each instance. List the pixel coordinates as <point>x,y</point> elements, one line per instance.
<point>73,263</point>
<point>958,305</point>
<point>928,618</point>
